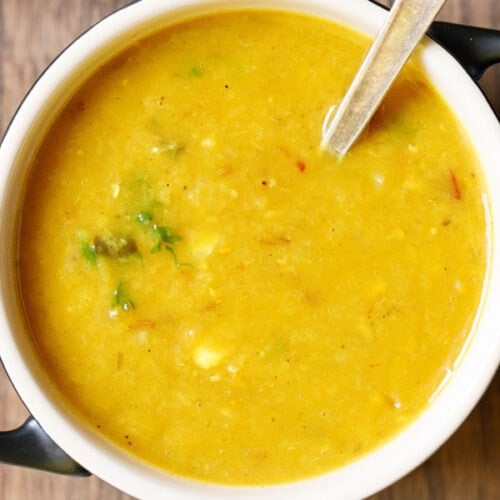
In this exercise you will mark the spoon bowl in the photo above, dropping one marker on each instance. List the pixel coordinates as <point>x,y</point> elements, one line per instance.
<point>403,29</point>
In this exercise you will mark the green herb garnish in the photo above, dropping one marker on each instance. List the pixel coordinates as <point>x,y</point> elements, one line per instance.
<point>165,236</point>
<point>88,252</point>
<point>120,299</point>
<point>144,217</point>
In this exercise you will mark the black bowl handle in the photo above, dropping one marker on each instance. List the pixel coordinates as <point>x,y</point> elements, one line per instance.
<point>476,49</point>
<point>30,446</point>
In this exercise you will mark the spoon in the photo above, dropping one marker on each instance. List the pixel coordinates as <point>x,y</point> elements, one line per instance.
<point>404,27</point>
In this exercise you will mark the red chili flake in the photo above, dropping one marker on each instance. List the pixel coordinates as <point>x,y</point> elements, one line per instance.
<point>454,184</point>
<point>301,166</point>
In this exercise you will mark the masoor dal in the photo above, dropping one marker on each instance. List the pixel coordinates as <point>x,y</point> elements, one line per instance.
<point>217,295</point>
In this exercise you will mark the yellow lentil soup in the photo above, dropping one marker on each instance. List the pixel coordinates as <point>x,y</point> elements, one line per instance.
<point>217,295</point>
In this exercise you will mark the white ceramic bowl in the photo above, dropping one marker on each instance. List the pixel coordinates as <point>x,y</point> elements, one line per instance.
<point>359,479</point>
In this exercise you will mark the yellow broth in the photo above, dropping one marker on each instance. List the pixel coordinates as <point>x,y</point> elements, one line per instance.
<point>218,296</point>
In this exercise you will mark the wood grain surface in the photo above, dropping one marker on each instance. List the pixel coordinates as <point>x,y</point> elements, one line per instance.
<point>32,33</point>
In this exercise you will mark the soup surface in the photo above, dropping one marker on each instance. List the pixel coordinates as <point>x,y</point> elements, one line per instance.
<point>217,295</point>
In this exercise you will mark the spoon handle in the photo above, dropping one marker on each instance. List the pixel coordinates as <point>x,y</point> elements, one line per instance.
<point>402,30</point>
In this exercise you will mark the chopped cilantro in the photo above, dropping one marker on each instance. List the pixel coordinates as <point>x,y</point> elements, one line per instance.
<point>174,256</point>
<point>120,299</point>
<point>165,236</point>
<point>88,252</point>
<point>144,217</point>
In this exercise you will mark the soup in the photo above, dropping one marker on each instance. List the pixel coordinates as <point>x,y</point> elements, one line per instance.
<point>215,294</point>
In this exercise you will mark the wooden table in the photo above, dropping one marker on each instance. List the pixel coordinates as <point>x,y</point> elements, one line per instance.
<point>32,32</point>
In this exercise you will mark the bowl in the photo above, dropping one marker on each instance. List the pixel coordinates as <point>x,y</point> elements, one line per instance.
<point>358,479</point>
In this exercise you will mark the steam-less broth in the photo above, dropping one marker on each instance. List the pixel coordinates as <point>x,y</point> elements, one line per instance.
<point>215,294</point>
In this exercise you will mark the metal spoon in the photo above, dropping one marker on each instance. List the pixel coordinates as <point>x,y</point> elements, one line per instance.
<point>404,27</point>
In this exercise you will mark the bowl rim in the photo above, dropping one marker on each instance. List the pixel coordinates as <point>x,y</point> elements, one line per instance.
<point>380,467</point>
